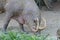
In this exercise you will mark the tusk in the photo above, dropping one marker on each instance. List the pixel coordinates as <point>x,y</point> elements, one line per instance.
<point>43,27</point>
<point>39,27</point>
<point>37,24</point>
<point>32,29</point>
<point>35,30</point>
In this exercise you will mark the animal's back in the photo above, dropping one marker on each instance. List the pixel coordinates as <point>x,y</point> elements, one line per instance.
<point>22,4</point>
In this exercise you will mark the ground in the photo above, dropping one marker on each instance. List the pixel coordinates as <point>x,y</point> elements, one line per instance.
<point>52,18</point>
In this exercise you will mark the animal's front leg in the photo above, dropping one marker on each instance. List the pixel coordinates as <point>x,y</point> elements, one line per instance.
<point>6,21</point>
<point>22,27</point>
<point>21,23</point>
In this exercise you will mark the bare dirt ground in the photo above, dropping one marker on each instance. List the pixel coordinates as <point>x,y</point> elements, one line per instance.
<point>52,18</point>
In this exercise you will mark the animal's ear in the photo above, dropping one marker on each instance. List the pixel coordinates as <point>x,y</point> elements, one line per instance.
<point>34,21</point>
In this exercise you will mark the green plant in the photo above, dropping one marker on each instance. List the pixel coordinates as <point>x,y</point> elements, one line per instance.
<point>20,36</point>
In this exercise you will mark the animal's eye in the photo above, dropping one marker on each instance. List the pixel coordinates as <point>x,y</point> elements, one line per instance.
<point>35,21</point>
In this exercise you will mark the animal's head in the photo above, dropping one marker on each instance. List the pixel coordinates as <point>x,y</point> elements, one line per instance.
<point>34,23</point>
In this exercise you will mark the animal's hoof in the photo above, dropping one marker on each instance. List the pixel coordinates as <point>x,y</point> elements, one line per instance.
<point>5,32</point>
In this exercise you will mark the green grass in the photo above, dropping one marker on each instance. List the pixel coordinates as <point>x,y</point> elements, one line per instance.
<point>21,36</point>
<point>15,34</point>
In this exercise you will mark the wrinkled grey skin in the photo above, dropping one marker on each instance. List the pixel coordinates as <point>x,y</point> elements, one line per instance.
<point>23,11</point>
